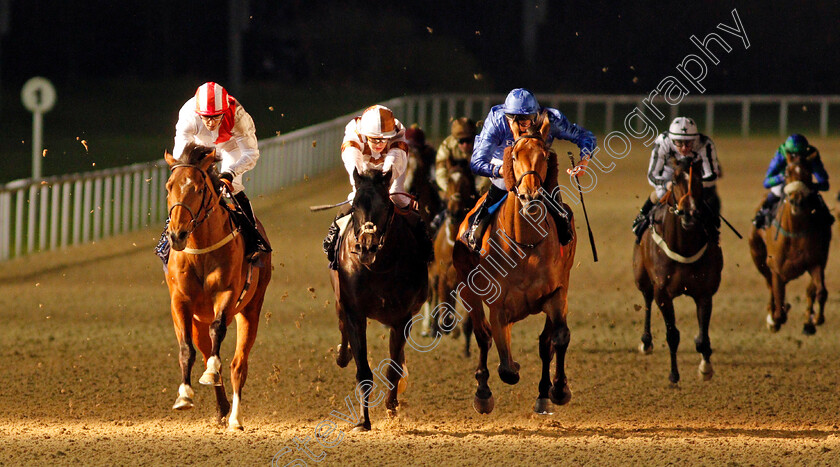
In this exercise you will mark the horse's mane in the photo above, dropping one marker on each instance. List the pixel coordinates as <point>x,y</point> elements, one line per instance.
<point>195,153</point>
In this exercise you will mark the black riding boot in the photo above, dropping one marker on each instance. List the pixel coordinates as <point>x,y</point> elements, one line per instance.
<point>640,223</point>
<point>472,237</point>
<point>255,244</point>
<point>331,240</point>
<point>561,220</point>
<point>765,211</point>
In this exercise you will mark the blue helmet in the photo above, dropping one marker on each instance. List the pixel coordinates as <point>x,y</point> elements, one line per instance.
<point>521,102</point>
<point>796,144</point>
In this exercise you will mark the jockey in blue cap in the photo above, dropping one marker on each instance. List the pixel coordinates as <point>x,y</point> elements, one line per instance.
<point>522,108</point>
<point>795,145</point>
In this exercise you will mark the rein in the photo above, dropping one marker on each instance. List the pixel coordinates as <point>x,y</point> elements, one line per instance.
<point>204,208</point>
<point>660,242</point>
<point>529,172</point>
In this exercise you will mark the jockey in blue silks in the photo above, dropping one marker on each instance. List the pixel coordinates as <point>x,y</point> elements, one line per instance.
<point>521,107</point>
<point>797,145</point>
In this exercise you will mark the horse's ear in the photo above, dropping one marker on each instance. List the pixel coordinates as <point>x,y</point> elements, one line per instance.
<point>208,159</point>
<point>514,128</point>
<point>507,168</point>
<point>385,177</point>
<point>357,179</point>
<point>170,159</point>
<point>545,126</point>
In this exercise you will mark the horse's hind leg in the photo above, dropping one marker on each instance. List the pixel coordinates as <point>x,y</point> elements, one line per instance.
<point>758,251</point>
<point>546,353</point>
<point>483,402</point>
<point>186,356</point>
<point>672,334</point>
<point>702,342</point>
<point>201,337</point>
<point>397,372</point>
<point>779,311</point>
<point>816,292</point>
<point>468,331</point>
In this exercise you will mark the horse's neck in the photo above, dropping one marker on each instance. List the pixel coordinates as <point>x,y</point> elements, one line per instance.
<point>211,230</point>
<point>791,222</point>
<point>680,239</point>
<point>518,226</point>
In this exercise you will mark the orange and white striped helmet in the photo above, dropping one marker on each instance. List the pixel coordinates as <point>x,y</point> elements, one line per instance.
<point>378,122</point>
<point>210,99</point>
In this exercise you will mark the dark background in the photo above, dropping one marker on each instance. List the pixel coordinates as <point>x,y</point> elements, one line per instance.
<point>123,69</point>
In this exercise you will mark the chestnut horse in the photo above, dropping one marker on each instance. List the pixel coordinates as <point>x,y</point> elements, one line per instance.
<point>460,198</point>
<point>522,270</point>
<point>795,241</point>
<point>210,283</point>
<point>675,257</point>
<point>381,275</point>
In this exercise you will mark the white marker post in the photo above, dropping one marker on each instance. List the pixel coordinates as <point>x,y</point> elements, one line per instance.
<point>38,96</point>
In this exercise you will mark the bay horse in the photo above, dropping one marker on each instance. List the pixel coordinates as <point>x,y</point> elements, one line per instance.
<point>421,161</point>
<point>522,269</point>
<point>795,241</point>
<point>381,275</point>
<point>460,198</point>
<point>210,282</point>
<point>676,257</point>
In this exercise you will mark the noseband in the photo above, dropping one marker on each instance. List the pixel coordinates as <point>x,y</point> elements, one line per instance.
<point>205,208</point>
<point>369,228</point>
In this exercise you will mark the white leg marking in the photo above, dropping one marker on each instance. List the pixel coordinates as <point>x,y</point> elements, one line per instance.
<point>186,391</point>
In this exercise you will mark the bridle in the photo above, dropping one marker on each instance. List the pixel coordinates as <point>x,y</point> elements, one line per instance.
<point>206,207</point>
<point>528,172</point>
<point>369,228</point>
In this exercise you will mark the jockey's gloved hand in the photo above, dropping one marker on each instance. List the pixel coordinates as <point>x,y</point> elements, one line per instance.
<point>227,180</point>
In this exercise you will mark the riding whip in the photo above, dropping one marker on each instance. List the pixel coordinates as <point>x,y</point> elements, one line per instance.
<point>324,207</point>
<point>585,216</point>
<point>725,221</point>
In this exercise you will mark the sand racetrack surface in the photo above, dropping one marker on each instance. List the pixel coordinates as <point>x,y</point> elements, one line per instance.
<point>90,371</point>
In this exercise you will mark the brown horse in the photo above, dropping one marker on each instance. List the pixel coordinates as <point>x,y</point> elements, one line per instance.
<point>419,184</point>
<point>522,270</point>
<point>460,198</point>
<point>382,276</point>
<point>675,257</point>
<point>210,283</point>
<point>796,241</point>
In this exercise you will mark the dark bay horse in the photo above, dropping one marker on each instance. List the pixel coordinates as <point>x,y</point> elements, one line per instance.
<point>522,270</point>
<point>460,198</point>
<point>382,276</point>
<point>210,283</point>
<point>795,242</point>
<point>675,257</point>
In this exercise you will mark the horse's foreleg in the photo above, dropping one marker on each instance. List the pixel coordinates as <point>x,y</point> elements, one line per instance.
<point>508,368</point>
<point>247,323</point>
<point>357,333</point>
<point>397,377</point>
<point>343,356</point>
<point>483,402</point>
<point>546,352</point>
<point>557,310</point>
<point>201,338</point>
<point>181,318</point>
<point>646,347</point>
<point>702,342</point>
<point>672,334</point>
<point>218,330</point>
<point>778,315</point>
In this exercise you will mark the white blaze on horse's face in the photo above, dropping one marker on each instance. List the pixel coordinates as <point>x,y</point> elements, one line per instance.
<point>186,183</point>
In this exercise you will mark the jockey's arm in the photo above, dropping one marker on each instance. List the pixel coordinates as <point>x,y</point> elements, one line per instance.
<point>244,134</point>
<point>776,171</point>
<point>491,137</point>
<point>441,173</point>
<point>562,128</point>
<point>820,175</point>
<point>657,173</point>
<point>185,129</point>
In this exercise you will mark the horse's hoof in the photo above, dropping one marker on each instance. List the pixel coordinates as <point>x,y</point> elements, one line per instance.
<point>674,378</point>
<point>211,379</point>
<point>509,376</point>
<point>342,358</point>
<point>183,403</point>
<point>809,329</point>
<point>771,325</point>
<point>543,406</point>
<point>645,349</point>
<point>562,397</point>
<point>392,413</point>
<point>820,320</point>
<point>235,427</point>
<point>705,370</point>
<point>456,333</point>
<point>361,428</point>
<point>402,385</point>
<point>484,406</point>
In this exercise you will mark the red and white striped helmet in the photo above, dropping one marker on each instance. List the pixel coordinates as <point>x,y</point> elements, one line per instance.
<point>378,122</point>
<point>210,99</point>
